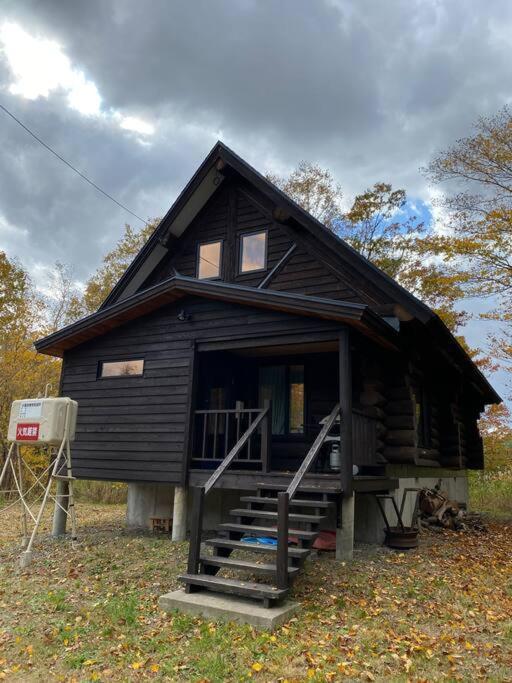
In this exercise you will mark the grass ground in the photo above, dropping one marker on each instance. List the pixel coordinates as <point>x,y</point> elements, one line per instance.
<point>443,612</point>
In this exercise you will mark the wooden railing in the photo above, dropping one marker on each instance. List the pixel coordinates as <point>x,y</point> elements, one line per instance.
<point>284,498</point>
<point>364,438</point>
<point>263,418</point>
<point>217,431</point>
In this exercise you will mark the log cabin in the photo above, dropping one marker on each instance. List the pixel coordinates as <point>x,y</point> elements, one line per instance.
<point>253,373</point>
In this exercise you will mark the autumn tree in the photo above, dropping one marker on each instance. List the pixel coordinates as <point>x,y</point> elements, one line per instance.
<point>376,226</point>
<point>476,176</point>
<point>24,373</point>
<point>315,190</point>
<point>496,430</point>
<point>114,265</point>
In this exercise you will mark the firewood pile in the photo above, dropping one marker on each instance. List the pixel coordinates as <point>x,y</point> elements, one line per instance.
<point>437,512</point>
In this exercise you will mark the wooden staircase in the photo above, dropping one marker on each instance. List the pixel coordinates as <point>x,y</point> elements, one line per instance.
<point>265,515</point>
<point>309,512</point>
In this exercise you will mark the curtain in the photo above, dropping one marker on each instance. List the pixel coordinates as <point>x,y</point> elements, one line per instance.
<point>273,387</point>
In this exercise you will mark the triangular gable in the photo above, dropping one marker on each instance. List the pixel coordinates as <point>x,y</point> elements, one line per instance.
<point>320,242</point>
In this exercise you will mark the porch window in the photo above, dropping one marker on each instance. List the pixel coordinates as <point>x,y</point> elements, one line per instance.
<point>284,386</point>
<point>253,252</point>
<point>208,260</point>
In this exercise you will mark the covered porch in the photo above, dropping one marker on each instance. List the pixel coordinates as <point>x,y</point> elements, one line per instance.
<point>288,390</point>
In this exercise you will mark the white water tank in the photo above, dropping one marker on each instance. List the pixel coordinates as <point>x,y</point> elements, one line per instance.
<point>38,421</point>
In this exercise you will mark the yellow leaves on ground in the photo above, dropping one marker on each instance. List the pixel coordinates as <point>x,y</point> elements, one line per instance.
<point>441,612</point>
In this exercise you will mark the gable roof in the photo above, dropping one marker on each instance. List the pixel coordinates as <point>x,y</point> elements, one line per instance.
<point>203,184</point>
<point>359,316</point>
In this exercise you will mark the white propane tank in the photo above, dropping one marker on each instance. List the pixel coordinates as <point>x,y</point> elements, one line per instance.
<point>335,457</point>
<point>38,421</point>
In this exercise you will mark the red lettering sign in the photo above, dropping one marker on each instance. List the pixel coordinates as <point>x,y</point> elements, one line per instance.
<point>27,431</point>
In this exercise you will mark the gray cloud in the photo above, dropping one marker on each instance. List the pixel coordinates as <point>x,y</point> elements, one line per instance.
<point>367,88</point>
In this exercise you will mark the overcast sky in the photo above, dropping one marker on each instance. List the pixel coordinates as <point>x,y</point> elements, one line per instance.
<point>136,93</point>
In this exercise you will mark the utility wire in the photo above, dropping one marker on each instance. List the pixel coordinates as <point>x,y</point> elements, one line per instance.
<point>84,177</point>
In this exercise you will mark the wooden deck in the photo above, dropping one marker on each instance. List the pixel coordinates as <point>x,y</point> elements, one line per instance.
<point>244,481</point>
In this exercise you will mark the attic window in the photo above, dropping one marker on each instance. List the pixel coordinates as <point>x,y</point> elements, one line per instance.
<point>122,368</point>
<point>208,260</point>
<point>253,252</point>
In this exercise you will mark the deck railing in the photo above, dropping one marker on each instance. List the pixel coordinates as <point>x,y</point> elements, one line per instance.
<point>217,431</point>
<point>364,438</point>
<point>258,417</point>
<point>284,498</point>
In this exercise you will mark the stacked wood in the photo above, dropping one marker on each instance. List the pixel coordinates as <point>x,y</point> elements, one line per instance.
<point>401,434</point>
<point>437,511</point>
<point>371,402</point>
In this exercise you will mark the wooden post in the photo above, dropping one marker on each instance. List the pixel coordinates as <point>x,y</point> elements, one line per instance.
<point>239,405</point>
<point>196,528</point>
<point>282,540</point>
<point>345,379</point>
<point>266,437</point>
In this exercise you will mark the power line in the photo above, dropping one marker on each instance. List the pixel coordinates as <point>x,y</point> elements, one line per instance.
<point>84,177</point>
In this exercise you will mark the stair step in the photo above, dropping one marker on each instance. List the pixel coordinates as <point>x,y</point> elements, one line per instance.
<point>267,531</point>
<point>299,553</point>
<point>296,502</point>
<point>246,588</point>
<point>304,488</point>
<point>233,563</point>
<point>270,514</point>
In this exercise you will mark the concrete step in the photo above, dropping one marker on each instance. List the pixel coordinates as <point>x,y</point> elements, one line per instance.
<point>233,563</point>
<point>296,502</point>
<point>270,514</point>
<point>267,531</point>
<point>258,591</point>
<point>297,553</point>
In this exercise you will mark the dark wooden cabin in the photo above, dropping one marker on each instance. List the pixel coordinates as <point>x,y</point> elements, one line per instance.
<point>230,349</point>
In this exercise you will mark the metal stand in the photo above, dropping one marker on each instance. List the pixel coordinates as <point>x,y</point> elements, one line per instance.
<point>59,469</point>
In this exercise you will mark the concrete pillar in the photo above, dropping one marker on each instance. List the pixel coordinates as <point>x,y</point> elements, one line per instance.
<point>345,534</point>
<point>145,501</point>
<point>179,518</point>
<point>60,517</point>
<point>369,523</point>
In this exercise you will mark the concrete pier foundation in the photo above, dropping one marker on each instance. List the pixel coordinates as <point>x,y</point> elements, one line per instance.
<point>345,532</point>
<point>146,501</point>
<point>60,516</point>
<point>369,524</point>
<point>179,517</point>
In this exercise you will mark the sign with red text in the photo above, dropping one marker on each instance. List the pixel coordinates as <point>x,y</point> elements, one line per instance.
<point>27,431</point>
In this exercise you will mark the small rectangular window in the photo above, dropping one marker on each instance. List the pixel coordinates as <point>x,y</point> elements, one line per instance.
<point>253,252</point>
<point>209,256</point>
<point>122,368</point>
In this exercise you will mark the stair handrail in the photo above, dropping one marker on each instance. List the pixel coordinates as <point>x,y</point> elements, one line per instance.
<point>226,462</point>
<point>313,452</point>
<point>284,498</point>
<point>199,492</point>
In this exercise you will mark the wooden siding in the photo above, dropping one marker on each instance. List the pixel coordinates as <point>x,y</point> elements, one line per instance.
<point>135,428</point>
<point>304,273</point>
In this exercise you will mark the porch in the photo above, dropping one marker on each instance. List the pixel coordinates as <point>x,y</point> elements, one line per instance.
<point>280,396</point>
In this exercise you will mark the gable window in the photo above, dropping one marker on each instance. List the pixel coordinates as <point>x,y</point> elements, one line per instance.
<point>284,385</point>
<point>253,252</point>
<point>122,368</point>
<point>208,260</point>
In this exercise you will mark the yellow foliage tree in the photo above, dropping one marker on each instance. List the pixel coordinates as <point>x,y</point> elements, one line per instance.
<point>476,172</point>
<point>24,373</point>
<point>114,265</point>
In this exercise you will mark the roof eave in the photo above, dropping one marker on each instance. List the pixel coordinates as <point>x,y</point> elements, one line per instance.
<point>165,292</point>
